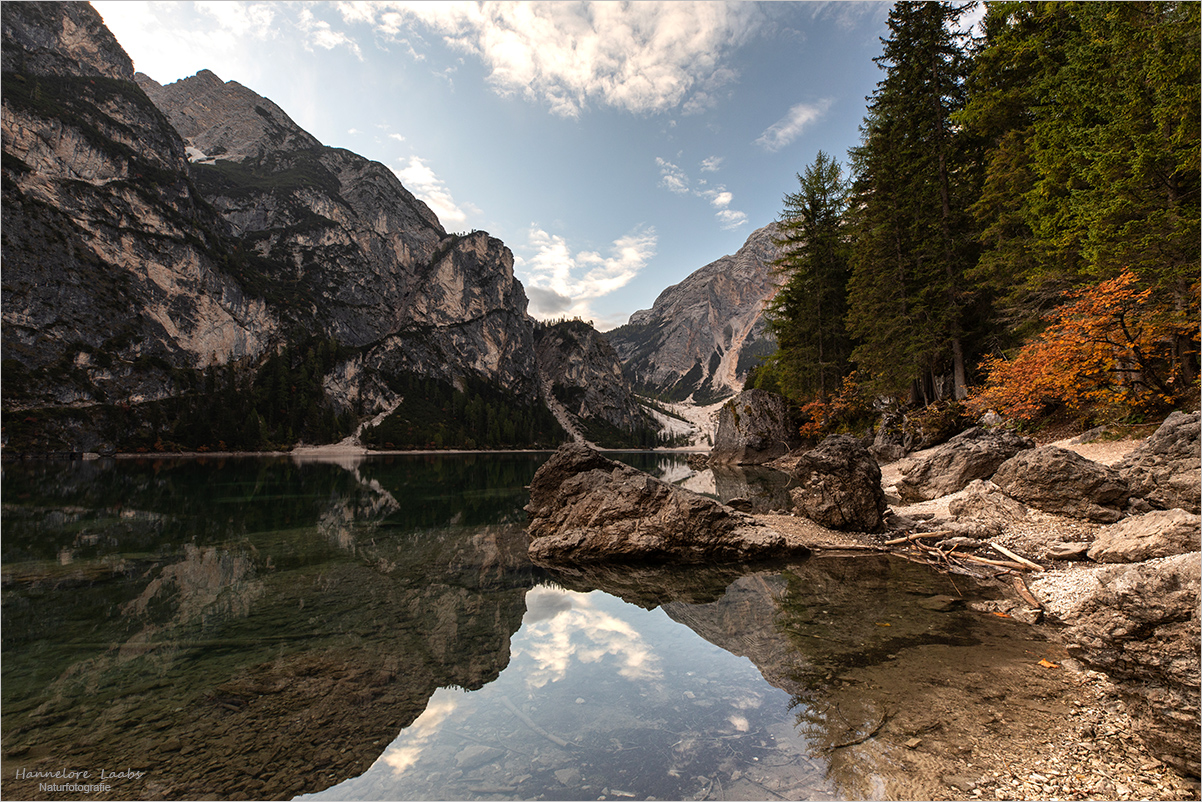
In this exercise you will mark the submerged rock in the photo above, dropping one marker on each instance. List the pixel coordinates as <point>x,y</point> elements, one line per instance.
<point>587,508</point>
<point>1057,480</point>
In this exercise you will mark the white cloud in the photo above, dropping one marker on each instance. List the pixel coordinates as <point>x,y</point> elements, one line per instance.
<point>319,33</point>
<point>849,16</point>
<point>397,137</point>
<point>353,131</point>
<point>675,180</point>
<point>785,130</point>
<point>729,219</point>
<point>719,198</point>
<point>671,177</point>
<point>711,164</point>
<point>641,57</point>
<point>403,753</point>
<point>579,632</point>
<point>252,20</point>
<point>561,283</point>
<point>419,179</point>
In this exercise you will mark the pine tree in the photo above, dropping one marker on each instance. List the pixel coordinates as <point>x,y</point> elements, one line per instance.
<point>915,240</point>
<point>1090,111</point>
<point>807,315</point>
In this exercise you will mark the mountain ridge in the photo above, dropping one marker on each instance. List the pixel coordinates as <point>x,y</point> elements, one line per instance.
<point>186,267</point>
<point>701,336</point>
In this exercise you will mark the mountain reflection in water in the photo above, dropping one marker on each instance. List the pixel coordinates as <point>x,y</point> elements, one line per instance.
<point>267,628</point>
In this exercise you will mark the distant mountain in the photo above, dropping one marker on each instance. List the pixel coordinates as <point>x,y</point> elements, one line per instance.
<point>344,248</point>
<point>702,336</point>
<point>585,386</point>
<point>186,267</point>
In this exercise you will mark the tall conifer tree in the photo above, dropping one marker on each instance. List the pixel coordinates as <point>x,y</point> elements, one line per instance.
<point>808,314</point>
<point>915,240</point>
<point>1090,111</point>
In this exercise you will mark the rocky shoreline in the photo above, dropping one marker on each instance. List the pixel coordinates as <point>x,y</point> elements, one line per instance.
<point>1095,543</point>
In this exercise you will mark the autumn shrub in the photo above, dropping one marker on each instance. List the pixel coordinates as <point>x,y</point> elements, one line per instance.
<point>846,411</point>
<point>1110,352</point>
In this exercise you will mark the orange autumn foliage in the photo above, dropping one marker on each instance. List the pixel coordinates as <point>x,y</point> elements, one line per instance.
<point>1110,350</point>
<point>838,413</point>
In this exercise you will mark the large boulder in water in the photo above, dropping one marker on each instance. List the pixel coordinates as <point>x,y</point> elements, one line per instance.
<point>586,508</point>
<point>1064,482</point>
<point>839,485</point>
<point>971,455</point>
<point>1139,624</point>
<point>754,427</point>
<point>1164,469</point>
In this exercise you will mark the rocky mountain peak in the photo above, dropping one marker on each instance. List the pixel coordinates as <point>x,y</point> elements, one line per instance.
<point>61,39</point>
<point>225,120</point>
<point>703,335</point>
<point>584,385</point>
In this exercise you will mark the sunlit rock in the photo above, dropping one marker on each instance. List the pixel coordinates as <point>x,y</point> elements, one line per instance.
<point>585,508</point>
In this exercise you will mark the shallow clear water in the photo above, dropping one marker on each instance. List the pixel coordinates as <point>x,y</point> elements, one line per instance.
<point>264,628</point>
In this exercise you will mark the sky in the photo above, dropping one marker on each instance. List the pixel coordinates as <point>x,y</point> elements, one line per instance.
<point>614,147</point>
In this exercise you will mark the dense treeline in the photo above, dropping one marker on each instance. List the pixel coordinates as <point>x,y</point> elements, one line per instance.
<point>280,404</point>
<point>435,415</point>
<point>1020,229</point>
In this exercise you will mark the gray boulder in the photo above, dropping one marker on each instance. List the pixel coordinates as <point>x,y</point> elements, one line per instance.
<point>889,442</point>
<point>972,454</point>
<point>754,427</point>
<point>839,485</point>
<point>585,508</point>
<point>1160,533</point>
<point>1060,481</point>
<point>984,503</point>
<point>1164,469</point>
<point>1139,624</point>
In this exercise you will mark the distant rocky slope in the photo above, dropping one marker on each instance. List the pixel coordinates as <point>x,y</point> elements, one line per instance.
<point>702,336</point>
<point>582,376</point>
<point>340,243</point>
<point>113,265</point>
<point>148,299</point>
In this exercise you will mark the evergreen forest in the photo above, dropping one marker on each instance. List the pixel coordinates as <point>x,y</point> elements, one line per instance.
<point>1017,231</point>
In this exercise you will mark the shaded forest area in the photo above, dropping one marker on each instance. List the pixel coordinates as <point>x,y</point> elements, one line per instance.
<point>1018,230</point>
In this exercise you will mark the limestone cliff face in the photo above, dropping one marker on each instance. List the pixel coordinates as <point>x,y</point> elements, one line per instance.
<point>359,255</point>
<point>701,336</point>
<point>112,270</point>
<point>581,373</point>
<point>154,233</point>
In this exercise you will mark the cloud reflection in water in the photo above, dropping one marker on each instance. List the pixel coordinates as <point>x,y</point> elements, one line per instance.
<point>402,756</point>
<point>561,625</point>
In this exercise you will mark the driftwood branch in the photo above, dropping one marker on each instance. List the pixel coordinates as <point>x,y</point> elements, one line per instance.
<point>861,739</point>
<point>529,722</point>
<point>915,536</point>
<point>1001,563</point>
<point>1020,585</point>
<point>1021,560</point>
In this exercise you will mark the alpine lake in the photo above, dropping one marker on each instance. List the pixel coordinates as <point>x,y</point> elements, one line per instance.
<point>371,628</point>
